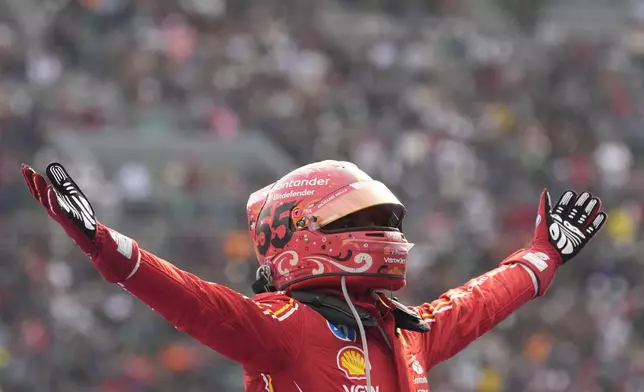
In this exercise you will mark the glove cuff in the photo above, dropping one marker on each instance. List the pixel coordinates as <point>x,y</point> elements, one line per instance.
<point>541,261</point>
<point>118,256</point>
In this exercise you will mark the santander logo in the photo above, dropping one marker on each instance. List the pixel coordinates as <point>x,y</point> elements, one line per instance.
<point>315,181</point>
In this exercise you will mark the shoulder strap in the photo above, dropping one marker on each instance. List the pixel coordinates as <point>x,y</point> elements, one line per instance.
<point>406,319</point>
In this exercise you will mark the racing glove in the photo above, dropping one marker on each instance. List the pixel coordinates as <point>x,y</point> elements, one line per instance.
<point>116,256</point>
<point>560,234</point>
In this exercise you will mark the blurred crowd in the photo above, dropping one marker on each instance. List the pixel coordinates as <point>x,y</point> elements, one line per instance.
<point>466,126</point>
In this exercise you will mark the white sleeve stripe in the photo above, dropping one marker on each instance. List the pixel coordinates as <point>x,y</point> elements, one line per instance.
<point>136,267</point>
<point>534,279</point>
<point>287,314</point>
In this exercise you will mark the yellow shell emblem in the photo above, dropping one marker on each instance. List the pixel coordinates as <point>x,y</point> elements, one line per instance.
<point>351,361</point>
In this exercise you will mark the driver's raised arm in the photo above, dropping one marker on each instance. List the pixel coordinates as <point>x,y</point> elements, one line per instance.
<point>217,316</point>
<point>463,314</point>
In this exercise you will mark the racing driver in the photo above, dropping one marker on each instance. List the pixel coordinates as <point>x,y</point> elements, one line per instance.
<point>331,250</point>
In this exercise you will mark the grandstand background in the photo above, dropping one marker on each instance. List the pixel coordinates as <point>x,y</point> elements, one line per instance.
<point>170,112</point>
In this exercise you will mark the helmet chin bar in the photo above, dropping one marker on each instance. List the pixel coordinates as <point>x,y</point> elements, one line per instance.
<point>356,282</point>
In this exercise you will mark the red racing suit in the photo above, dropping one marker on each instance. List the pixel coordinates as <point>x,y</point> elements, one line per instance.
<point>285,346</point>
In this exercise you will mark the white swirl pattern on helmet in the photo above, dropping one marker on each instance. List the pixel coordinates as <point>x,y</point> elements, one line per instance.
<point>291,259</point>
<point>360,258</point>
<point>289,256</point>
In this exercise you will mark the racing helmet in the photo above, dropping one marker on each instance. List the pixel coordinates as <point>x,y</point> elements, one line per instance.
<point>324,221</point>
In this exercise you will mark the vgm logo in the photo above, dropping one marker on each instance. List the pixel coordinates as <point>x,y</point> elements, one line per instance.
<point>359,388</point>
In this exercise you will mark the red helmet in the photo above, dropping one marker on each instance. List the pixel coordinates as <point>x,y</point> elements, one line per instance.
<point>326,220</point>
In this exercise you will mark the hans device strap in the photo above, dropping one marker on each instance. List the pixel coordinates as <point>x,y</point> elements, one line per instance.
<point>337,312</point>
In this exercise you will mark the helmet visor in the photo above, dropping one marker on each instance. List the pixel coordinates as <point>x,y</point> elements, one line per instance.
<point>350,199</point>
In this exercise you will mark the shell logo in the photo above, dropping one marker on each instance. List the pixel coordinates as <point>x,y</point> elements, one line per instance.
<point>351,361</point>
